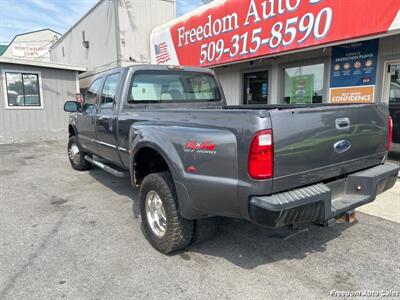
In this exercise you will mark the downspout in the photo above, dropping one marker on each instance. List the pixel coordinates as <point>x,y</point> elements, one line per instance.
<point>117,33</point>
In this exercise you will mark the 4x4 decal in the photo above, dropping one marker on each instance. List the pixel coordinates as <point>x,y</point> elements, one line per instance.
<point>206,147</point>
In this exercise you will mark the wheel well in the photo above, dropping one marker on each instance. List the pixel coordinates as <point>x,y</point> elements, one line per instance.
<point>71,131</point>
<point>147,161</point>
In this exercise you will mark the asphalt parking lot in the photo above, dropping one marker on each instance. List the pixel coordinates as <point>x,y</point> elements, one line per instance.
<point>65,234</point>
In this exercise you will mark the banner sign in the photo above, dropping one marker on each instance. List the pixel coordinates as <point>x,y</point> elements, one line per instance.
<point>353,72</point>
<point>28,51</point>
<point>226,31</point>
<point>302,89</point>
<point>354,94</point>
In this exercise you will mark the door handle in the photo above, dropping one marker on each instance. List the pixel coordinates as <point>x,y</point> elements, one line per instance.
<point>342,123</point>
<point>105,121</point>
<point>110,124</point>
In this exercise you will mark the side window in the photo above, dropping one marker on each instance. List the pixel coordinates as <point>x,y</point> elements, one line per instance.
<point>91,94</point>
<point>109,91</point>
<point>22,89</point>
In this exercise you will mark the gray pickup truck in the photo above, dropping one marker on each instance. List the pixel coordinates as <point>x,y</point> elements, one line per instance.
<point>195,158</point>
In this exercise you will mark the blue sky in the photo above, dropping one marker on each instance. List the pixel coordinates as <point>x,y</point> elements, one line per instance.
<point>18,16</point>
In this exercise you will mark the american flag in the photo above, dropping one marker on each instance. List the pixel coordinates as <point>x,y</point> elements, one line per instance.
<point>162,55</point>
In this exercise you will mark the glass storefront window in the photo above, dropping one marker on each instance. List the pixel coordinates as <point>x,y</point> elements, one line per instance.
<point>394,100</point>
<point>394,90</point>
<point>304,84</point>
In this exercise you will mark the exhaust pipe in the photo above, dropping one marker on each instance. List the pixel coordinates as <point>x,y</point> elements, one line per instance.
<point>349,217</point>
<point>106,168</point>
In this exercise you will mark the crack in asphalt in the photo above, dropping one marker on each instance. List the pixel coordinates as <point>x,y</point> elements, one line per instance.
<point>43,245</point>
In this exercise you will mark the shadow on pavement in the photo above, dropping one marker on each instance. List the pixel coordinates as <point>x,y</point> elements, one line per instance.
<point>121,186</point>
<point>238,241</point>
<point>248,245</point>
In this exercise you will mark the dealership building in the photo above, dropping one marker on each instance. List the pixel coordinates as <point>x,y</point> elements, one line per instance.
<point>292,51</point>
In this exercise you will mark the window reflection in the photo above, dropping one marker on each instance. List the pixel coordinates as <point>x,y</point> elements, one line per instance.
<point>22,89</point>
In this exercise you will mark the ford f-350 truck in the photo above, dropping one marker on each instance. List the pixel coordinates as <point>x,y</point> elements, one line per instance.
<point>195,158</point>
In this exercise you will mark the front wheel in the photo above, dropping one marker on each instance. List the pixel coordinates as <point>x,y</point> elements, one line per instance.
<point>76,155</point>
<point>165,229</point>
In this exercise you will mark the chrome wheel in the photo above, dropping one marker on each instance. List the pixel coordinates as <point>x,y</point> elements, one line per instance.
<point>74,154</point>
<point>156,214</point>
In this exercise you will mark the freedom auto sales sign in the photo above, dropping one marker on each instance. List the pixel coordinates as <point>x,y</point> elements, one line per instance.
<point>226,31</point>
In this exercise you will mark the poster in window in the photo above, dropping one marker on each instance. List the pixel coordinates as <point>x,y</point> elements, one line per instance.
<point>264,90</point>
<point>302,89</point>
<point>353,72</point>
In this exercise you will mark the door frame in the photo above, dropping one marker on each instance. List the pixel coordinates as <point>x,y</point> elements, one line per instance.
<point>386,79</point>
<point>245,72</point>
<point>108,148</point>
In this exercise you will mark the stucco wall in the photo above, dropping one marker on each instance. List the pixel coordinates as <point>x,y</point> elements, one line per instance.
<point>99,28</point>
<point>118,32</point>
<point>136,21</point>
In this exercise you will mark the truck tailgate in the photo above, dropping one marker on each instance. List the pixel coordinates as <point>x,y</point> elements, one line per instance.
<point>319,143</point>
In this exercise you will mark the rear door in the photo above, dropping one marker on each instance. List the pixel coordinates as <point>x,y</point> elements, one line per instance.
<point>105,119</point>
<point>86,119</point>
<point>315,144</point>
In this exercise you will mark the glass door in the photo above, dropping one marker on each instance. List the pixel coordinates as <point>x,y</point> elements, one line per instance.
<point>256,88</point>
<point>391,95</point>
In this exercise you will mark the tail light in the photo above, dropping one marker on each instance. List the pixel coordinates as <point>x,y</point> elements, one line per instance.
<point>390,133</point>
<point>261,155</point>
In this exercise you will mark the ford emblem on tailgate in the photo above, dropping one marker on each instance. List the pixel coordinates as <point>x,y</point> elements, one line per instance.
<point>342,146</point>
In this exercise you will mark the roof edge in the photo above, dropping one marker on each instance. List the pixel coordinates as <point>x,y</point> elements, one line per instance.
<point>29,32</point>
<point>42,64</point>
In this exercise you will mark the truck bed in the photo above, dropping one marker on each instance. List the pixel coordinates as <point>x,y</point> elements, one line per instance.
<point>292,106</point>
<point>305,136</point>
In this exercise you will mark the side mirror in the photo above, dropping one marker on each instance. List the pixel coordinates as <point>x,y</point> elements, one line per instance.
<point>71,106</point>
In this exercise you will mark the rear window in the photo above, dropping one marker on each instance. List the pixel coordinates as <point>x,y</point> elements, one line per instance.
<point>173,86</point>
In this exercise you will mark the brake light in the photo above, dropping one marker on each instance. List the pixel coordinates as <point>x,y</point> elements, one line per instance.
<point>261,155</point>
<point>390,133</point>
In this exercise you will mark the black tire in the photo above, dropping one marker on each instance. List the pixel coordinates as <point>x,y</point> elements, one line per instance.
<point>205,229</point>
<point>77,162</point>
<point>178,231</point>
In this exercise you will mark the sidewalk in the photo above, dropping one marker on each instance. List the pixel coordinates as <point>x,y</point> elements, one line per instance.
<point>386,205</point>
